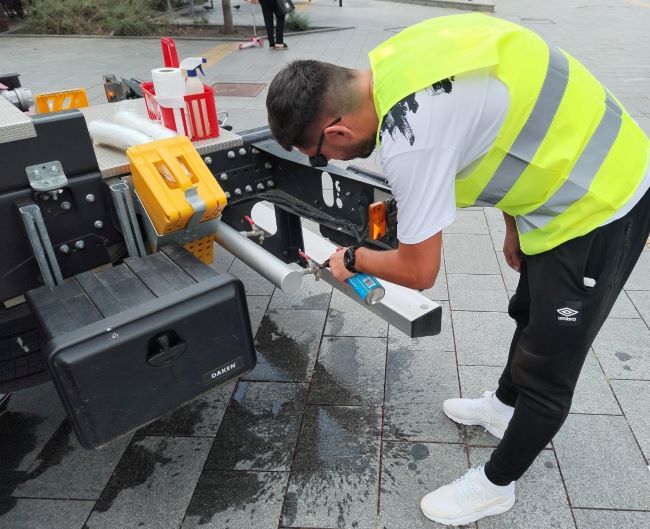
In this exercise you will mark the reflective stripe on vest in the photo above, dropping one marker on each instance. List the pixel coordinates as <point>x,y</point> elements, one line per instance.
<point>533,133</point>
<point>582,174</point>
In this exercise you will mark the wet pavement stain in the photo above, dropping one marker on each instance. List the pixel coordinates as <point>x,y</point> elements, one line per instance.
<point>182,421</point>
<point>290,509</point>
<point>219,492</point>
<point>325,498</point>
<point>327,385</point>
<point>136,466</point>
<point>338,438</point>
<point>259,429</point>
<point>336,320</point>
<point>54,451</point>
<point>17,437</point>
<point>51,455</point>
<point>281,355</point>
<point>335,471</point>
<point>317,301</point>
<point>624,357</point>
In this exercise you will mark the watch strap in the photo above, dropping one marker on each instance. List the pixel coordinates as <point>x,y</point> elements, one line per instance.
<point>349,259</point>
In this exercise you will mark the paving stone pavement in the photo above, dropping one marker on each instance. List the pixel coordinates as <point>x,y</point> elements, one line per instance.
<point>340,424</point>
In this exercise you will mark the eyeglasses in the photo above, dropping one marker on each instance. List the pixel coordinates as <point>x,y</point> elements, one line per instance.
<point>318,160</point>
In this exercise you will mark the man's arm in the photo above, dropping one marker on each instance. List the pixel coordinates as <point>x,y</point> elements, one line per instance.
<point>511,243</point>
<point>411,265</point>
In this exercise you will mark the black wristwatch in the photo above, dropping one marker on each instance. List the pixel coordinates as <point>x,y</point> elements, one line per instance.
<point>349,259</point>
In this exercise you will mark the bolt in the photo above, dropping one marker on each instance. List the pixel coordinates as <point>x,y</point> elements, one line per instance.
<point>228,195</point>
<point>79,245</point>
<point>207,160</point>
<point>231,154</point>
<point>98,224</point>
<point>114,335</point>
<point>270,183</point>
<point>90,197</point>
<point>64,248</point>
<point>255,151</point>
<point>44,196</point>
<point>260,186</point>
<point>268,165</point>
<point>66,205</point>
<point>249,189</point>
<point>242,152</point>
<point>237,192</point>
<point>54,170</point>
<point>223,177</point>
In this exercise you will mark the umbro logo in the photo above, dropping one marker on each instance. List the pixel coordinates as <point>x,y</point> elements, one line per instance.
<point>567,312</point>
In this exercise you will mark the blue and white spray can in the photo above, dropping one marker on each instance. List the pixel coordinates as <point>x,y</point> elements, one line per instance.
<point>367,288</point>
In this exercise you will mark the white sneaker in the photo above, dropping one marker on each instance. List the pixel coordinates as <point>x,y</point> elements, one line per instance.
<point>487,411</point>
<point>468,499</point>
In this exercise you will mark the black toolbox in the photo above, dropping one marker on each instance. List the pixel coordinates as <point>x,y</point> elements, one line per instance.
<point>129,343</point>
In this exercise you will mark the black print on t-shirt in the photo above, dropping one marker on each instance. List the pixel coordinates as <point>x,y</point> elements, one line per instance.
<point>396,119</point>
<point>441,87</point>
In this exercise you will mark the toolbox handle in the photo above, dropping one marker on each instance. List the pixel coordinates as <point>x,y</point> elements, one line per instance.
<point>165,348</point>
<point>178,173</point>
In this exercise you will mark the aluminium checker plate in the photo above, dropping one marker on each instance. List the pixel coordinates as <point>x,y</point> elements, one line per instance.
<point>14,124</point>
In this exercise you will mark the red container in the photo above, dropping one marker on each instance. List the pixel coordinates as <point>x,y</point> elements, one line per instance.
<point>200,108</point>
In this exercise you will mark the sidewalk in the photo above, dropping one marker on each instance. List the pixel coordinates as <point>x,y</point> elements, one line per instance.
<point>340,425</point>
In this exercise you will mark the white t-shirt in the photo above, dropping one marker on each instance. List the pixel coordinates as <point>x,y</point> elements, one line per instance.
<point>428,138</point>
<point>431,136</point>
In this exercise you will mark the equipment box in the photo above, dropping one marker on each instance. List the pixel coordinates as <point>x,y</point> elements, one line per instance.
<point>127,344</point>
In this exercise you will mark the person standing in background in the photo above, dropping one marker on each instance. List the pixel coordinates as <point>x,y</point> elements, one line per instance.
<point>270,8</point>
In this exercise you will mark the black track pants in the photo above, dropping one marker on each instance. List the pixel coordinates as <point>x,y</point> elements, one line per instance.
<point>270,8</point>
<point>558,318</point>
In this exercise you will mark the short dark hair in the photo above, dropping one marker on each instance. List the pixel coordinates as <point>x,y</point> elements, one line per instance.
<point>304,92</point>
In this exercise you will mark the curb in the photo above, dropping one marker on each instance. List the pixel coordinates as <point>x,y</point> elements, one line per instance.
<point>152,37</point>
<point>463,5</point>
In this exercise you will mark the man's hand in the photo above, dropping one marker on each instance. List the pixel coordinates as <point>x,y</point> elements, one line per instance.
<point>338,268</point>
<point>511,247</point>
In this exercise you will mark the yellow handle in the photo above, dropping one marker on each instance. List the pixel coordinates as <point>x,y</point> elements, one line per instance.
<point>177,170</point>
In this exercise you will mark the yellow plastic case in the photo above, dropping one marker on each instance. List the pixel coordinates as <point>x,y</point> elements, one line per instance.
<point>63,100</point>
<point>163,171</point>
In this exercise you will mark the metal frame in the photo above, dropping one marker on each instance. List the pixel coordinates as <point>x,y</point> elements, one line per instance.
<point>123,202</point>
<point>41,244</point>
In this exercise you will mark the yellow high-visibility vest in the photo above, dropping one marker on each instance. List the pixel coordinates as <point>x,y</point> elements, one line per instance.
<point>567,156</point>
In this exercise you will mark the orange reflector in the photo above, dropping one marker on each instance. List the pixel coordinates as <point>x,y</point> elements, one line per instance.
<point>377,220</point>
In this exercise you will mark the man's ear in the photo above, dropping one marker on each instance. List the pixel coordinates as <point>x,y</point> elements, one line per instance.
<point>339,132</point>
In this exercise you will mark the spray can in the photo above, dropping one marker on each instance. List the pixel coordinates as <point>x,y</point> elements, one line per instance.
<point>367,288</point>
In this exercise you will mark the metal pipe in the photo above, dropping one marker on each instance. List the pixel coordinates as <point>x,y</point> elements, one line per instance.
<point>255,135</point>
<point>284,276</point>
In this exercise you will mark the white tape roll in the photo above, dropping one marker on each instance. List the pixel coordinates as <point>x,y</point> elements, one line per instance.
<point>106,133</point>
<point>168,82</point>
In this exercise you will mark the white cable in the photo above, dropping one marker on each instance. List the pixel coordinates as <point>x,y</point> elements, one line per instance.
<point>105,133</point>
<point>153,129</point>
